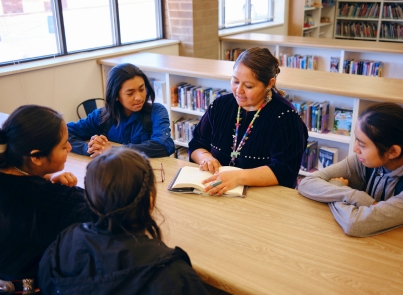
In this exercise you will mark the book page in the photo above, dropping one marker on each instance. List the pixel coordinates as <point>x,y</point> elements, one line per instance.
<point>193,177</point>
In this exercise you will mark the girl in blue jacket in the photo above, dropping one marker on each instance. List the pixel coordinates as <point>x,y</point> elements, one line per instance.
<point>121,252</point>
<point>130,117</point>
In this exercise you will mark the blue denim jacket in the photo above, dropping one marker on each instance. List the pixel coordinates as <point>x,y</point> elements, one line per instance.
<point>130,132</point>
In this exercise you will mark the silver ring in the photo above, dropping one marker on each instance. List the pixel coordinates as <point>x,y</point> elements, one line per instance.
<point>203,163</point>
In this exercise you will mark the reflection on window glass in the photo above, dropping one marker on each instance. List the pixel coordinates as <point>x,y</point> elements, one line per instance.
<point>261,10</point>
<point>234,13</point>
<point>135,23</point>
<point>87,24</point>
<point>26,30</point>
<point>35,29</point>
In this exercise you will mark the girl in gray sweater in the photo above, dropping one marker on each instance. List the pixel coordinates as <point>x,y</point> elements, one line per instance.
<point>363,190</point>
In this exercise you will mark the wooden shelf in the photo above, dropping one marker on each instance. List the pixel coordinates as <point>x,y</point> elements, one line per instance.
<point>388,52</point>
<point>357,92</point>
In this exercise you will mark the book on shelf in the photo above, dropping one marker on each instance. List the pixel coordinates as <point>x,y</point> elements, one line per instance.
<point>310,156</point>
<point>159,89</point>
<point>189,180</point>
<point>324,117</point>
<point>334,64</point>
<point>326,3</point>
<point>232,54</point>
<point>327,156</point>
<point>183,129</point>
<point>182,154</point>
<point>343,118</point>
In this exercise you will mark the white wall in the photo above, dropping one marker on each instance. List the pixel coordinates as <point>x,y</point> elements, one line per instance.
<point>61,87</point>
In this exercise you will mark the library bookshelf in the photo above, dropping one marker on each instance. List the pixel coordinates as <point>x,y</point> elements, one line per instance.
<point>356,92</point>
<point>379,21</point>
<point>311,18</point>
<point>390,54</point>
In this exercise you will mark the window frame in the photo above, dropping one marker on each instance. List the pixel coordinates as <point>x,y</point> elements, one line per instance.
<point>248,19</point>
<point>60,35</point>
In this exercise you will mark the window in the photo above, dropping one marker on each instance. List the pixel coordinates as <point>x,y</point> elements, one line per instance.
<point>234,13</point>
<point>35,29</point>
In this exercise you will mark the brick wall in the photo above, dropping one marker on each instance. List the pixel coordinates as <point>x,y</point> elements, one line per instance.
<point>195,24</point>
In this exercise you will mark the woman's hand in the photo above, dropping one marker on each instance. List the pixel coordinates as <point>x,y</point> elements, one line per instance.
<point>97,145</point>
<point>220,183</point>
<point>65,178</point>
<point>342,180</point>
<point>209,164</point>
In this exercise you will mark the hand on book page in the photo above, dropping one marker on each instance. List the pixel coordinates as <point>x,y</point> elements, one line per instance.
<point>193,180</point>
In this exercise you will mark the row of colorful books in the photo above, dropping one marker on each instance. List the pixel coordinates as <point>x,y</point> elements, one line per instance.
<point>316,117</point>
<point>363,67</point>
<point>196,98</point>
<point>363,10</point>
<point>232,54</point>
<point>356,29</point>
<point>393,11</point>
<point>305,62</point>
<point>182,129</point>
<point>391,31</point>
<point>318,158</point>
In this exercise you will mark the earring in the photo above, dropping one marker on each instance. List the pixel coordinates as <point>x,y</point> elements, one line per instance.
<point>268,95</point>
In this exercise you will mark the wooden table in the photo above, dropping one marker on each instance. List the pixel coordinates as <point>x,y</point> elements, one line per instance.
<point>274,241</point>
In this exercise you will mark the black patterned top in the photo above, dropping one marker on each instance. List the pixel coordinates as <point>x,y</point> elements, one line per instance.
<point>278,138</point>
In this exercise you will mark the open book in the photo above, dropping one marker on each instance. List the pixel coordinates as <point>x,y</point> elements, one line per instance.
<point>189,180</point>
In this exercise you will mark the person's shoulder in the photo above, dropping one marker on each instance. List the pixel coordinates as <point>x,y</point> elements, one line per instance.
<point>46,187</point>
<point>158,108</point>
<point>282,102</point>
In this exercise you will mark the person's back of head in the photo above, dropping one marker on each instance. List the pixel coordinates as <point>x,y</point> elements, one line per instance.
<point>382,123</point>
<point>29,131</point>
<point>120,189</point>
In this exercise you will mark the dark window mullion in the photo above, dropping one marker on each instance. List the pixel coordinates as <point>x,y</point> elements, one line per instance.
<point>248,19</point>
<point>61,34</point>
<point>158,11</point>
<point>115,22</point>
<point>222,11</point>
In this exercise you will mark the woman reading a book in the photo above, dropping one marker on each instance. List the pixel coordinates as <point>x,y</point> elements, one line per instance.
<point>254,128</point>
<point>365,190</point>
<point>121,252</point>
<point>130,117</point>
<point>35,205</point>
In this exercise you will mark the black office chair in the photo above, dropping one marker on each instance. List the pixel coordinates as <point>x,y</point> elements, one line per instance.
<point>88,106</point>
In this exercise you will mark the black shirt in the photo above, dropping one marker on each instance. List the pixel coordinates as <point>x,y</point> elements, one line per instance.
<point>32,212</point>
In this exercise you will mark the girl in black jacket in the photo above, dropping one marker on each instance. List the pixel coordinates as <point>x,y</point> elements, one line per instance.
<point>122,252</point>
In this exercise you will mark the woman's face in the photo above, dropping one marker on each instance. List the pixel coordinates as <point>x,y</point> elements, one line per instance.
<point>58,156</point>
<point>248,91</point>
<point>132,95</point>
<point>366,150</point>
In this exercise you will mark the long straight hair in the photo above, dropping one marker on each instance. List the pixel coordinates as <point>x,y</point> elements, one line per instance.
<point>117,76</point>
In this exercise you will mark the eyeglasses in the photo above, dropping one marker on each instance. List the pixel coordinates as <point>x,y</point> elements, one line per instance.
<point>162,173</point>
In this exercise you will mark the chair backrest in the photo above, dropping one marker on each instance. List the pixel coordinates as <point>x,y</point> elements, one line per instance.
<point>88,106</point>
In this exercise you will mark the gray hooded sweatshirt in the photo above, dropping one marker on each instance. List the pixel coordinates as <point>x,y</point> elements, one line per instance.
<point>352,207</point>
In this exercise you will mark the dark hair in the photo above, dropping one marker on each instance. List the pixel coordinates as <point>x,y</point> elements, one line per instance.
<point>118,184</point>
<point>116,77</point>
<point>382,123</point>
<point>263,64</point>
<point>28,128</point>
